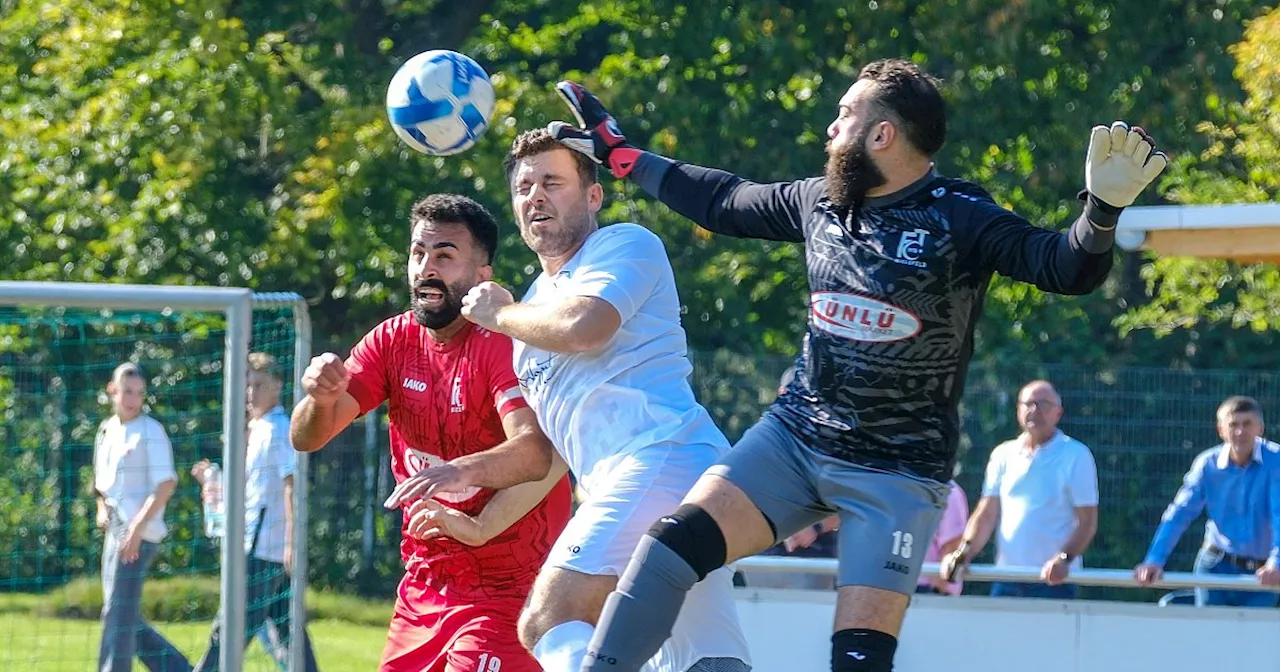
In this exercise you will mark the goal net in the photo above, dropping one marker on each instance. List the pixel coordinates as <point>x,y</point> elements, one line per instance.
<point>59,345</point>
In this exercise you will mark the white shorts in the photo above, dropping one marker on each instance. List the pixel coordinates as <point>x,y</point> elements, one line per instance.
<point>612,518</point>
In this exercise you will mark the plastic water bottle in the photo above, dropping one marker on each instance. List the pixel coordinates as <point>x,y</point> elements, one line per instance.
<point>214,506</point>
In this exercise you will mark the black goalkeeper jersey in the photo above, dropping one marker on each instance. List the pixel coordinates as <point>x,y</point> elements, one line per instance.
<point>895,290</point>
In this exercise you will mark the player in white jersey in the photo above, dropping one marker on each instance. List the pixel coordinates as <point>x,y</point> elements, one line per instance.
<point>601,358</point>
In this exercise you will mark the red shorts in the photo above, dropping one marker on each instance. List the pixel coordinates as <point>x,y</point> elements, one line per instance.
<point>430,633</point>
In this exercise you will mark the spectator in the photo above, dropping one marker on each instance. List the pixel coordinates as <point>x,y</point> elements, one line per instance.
<point>946,540</point>
<point>268,518</point>
<point>1042,487</point>
<point>133,478</point>
<point>818,541</point>
<point>1238,481</point>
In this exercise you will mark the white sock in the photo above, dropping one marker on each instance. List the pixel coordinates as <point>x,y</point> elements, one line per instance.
<point>564,647</point>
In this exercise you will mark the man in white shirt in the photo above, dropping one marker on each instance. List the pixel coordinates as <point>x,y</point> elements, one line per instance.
<point>268,518</point>
<point>602,360</point>
<point>1042,487</point>
<point>133,478</point>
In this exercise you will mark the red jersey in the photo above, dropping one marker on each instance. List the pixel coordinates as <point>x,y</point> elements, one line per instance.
<point>448,400</point>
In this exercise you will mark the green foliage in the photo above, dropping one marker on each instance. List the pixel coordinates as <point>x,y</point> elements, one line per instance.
<point>199,142</point>
<point>180,599</point>
<point>176,599</point>
<point>214,143</point>
<point>1241,164</point>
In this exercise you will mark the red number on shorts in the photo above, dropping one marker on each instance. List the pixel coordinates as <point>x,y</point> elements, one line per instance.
<point>489,663</point>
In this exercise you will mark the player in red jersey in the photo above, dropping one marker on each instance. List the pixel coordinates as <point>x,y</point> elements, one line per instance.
<point>470,557</point>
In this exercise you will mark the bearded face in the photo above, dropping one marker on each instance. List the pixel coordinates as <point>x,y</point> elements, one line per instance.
<point>552,203</point>
<point>552,231</point>
<point>436,304</point>
<point>851,172</point>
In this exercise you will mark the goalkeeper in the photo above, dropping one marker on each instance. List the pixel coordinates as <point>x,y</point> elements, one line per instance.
<point>899,259</point>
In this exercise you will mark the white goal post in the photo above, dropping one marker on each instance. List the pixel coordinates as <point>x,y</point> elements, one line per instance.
<point>237,304</point>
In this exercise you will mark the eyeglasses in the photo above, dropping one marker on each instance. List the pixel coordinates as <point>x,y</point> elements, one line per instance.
<point>1036,404</point>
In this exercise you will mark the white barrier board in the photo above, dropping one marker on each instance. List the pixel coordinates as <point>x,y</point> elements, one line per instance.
<point>790,631</point>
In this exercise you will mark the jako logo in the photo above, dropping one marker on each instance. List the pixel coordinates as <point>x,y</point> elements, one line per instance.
<point>600,657</point>
<point>861,318</point>
<point>415,385</point>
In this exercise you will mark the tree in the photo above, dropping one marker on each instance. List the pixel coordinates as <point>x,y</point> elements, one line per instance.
<point>231,143</point>
<point>1240,165</point>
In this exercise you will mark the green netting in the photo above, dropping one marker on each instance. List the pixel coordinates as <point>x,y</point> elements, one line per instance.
<point>54,366</point>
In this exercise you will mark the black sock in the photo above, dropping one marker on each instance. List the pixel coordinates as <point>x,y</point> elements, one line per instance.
<point>859,650</point>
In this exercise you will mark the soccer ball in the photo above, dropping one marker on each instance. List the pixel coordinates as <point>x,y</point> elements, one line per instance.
<point>439,102</point>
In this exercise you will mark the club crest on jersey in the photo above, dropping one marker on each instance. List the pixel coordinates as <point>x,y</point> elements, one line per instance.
<point>910,247</point>
<point>455,395</point>
<point>861,318</point>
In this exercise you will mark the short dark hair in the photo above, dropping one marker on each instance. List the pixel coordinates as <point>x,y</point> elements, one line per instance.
<point>1239,404</point>
<point>539,141</point>
<point>910,98</point>
<point>458,209</point>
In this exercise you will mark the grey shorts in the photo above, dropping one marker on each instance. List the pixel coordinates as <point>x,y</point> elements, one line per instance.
<point>886,519</point>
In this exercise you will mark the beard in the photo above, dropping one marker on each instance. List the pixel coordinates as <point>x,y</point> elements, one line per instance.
<point>448,311</point>
<point>574,225</point>
<point>851,173</point>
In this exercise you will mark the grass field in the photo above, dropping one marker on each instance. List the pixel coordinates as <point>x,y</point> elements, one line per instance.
<point>29,642</point>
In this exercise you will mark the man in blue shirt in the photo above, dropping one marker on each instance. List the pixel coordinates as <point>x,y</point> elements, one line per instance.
<point>1239,483</point>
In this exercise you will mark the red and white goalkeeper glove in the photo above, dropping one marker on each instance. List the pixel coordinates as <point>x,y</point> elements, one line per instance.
<point>597,134</point>
<point>1121,163</point>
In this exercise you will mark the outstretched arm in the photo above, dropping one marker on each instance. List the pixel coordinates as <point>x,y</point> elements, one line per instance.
<point>1178,516</point>
<point>716,200</point>
<point>1119,165</point>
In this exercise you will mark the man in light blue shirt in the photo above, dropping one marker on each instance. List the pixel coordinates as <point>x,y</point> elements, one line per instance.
<point>1238,482</point>
<point>268,519</point>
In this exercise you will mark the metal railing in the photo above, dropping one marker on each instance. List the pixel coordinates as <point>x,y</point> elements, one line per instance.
<point>1114,578</point>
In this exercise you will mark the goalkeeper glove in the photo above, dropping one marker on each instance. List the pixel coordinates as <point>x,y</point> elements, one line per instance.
<point>1120,163</point>
<point>597,134</point>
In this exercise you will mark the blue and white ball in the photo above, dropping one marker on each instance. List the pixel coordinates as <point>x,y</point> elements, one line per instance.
<point>439,102</point>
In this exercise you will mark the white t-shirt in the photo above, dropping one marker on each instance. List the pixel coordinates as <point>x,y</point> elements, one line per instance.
<point>269,460</point>
<point>634,392</point>
<point>130,459</point>
<point>1039,492</point>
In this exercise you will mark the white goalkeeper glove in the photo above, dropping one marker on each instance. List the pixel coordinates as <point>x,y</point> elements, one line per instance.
<point>1121,164</point>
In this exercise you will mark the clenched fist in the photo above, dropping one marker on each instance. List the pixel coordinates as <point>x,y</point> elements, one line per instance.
<point>482,303</point>
<point>325,379</point>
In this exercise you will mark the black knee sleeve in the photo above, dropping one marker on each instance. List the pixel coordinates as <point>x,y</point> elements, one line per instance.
<point>693,535</point>
<point>859,650</point>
